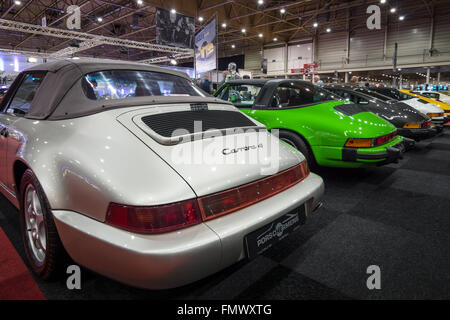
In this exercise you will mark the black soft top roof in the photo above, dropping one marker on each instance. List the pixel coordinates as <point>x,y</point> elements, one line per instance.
<point>266,81</point>
<point>93,65</point>
<point>60,95</point>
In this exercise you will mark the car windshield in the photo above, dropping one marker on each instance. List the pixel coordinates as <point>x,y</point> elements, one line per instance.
<point>431,95</point>
<point>123,84</point>
<point>402,96</point>
<point>374,94</point>
<point>241,95</point>
<point>395,94</point>
<point>294,94</point>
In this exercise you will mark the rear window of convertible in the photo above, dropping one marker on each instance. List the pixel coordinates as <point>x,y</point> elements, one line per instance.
<point>123,84</point>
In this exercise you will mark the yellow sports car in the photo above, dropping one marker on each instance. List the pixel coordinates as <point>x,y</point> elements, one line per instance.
<point>444,106</point>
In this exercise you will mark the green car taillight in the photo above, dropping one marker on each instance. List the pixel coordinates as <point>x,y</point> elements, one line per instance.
<point>370,142</point>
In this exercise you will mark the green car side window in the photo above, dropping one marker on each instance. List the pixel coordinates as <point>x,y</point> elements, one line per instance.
<point>292,94</point>
<point>242,95</point>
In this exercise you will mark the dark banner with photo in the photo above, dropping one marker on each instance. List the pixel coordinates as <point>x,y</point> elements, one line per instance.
<point>174,29</point>
<point>205,49</point>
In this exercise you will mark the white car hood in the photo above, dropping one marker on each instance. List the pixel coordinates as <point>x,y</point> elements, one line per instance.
<point>422,107</point>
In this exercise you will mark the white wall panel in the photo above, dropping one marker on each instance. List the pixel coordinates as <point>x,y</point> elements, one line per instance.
<point>253,58</point>
<point>412,36</point>
<point>332,49</point>
<point>442,30</point>
<point>275,59</point>
<point>298,55</point>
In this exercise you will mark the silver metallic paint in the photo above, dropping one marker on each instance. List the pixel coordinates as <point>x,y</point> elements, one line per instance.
<point>180,257</point>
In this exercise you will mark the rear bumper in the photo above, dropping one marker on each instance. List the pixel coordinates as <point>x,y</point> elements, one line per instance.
<point>177,258</point>
<point>417,134</point>
<point>390,155</point>
<point>438,128</point>
<point>438,120</point>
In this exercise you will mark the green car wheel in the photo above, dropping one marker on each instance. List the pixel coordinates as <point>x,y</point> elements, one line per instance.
<point>297,142</point>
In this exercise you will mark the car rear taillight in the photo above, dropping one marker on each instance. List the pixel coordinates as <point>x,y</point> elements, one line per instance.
<point>359,143</point>
<point>413,126</point>
<point>174,216</point>
<point>154,219</point>
<point>426,124</point>
<point>370,142</point>
<point>385,139</point>
<point>435,115</point>
<point>219,204</point>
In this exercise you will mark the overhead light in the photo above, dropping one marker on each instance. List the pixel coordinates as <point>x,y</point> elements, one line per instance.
<point>200,18</point>
<point>173,11</point>
<point>233,46</point>
<point>328,30</point>
<point>282,10</point>
<point>224,25</point>
<point>315,25</point>
<point>139,2</point>
<point>99,19</point>
<point>382,1</point>
<point>32,60</point>
<point>260,1</point>
<point>260,35</point>
<point>393,10</point>
<point>275,39</point>
<point>173,62</point>
<point>243,30</point>
<point>17,2</point>
<point>401,18</point>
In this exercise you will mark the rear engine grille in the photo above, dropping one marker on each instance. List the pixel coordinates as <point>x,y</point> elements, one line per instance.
<point>165,124</point>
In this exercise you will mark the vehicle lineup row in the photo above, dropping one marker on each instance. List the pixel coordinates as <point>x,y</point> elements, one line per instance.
<point>95,156</point>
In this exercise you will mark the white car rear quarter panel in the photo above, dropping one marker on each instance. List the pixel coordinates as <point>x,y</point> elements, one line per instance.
<point>180,257</point>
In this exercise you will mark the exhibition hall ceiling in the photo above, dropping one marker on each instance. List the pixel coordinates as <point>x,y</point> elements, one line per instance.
<point>242,23</point>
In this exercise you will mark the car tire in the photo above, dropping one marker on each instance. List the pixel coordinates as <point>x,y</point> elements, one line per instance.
<point>298,143</point>
<point>43,247</point>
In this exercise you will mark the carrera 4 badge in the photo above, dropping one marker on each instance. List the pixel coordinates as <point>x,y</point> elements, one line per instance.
<point>228,151</point>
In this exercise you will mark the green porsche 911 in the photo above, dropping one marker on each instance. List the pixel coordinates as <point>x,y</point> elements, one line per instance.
<point>328,130</point>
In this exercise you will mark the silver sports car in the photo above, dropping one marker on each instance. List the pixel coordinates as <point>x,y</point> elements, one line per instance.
<point>140,176</point>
